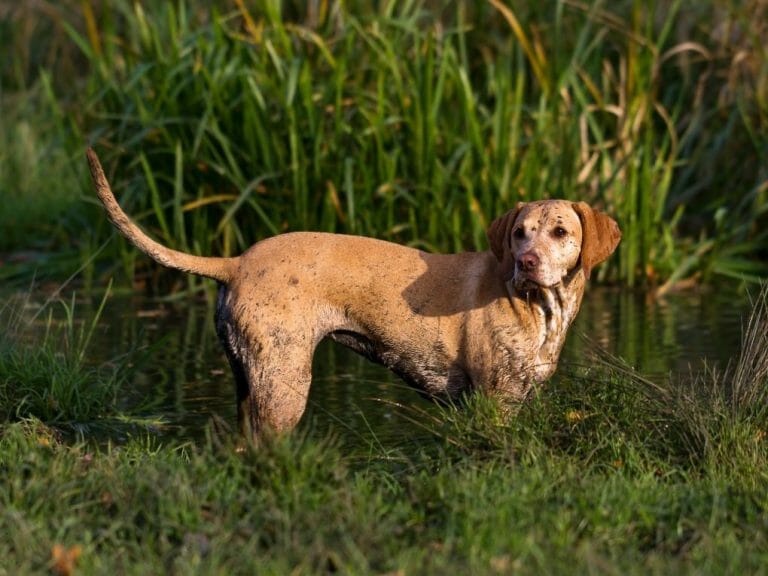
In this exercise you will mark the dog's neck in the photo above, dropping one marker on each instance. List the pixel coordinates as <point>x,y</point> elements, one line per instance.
<point>553,309</point>
<point>560,298</point>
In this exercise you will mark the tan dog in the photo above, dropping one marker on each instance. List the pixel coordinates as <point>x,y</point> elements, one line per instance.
<point>493,321</point>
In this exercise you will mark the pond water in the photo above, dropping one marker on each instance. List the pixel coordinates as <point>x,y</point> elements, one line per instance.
<point>188,375</point>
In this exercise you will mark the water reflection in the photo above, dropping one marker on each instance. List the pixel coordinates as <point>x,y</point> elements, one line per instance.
<point>656,337</point>
<point>188,379</point>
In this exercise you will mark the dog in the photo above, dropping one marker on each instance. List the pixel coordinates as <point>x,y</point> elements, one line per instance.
<point>492,321</point>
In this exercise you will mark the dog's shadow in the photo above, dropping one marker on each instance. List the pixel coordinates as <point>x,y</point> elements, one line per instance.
<point>453,284</point>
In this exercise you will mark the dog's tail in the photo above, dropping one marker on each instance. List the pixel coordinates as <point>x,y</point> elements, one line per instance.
<point>221,269</point>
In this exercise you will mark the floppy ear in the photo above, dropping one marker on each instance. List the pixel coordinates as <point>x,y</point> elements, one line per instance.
<point>498,236</point>
<point>600,236</point>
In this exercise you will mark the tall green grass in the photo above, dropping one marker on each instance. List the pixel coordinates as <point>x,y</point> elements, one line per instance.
<point>420,123</point>
<point>38,178</point>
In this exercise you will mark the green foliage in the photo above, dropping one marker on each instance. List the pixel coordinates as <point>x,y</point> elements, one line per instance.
<point>34,204</point>
<point>51,379</point>
<point>224,124</point>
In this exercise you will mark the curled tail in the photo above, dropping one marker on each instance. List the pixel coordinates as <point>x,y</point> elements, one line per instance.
<point>221,269</point>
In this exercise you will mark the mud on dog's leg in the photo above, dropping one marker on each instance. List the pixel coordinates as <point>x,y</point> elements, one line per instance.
<point>235,348</point>
<point>277,394</point>
<point>271,393</point>
<point>271,361</point>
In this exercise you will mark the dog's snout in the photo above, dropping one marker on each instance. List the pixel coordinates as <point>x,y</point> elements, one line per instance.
<point>528,262</point>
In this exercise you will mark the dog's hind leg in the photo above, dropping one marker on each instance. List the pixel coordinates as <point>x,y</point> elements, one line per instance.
<point>272,368</point>
<point>271,392</point>
<point>278,388</point>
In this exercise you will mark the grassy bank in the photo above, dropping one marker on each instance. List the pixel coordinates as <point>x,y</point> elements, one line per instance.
<point>301,507</point>
<point>605,472</point>
<point>221,125</point>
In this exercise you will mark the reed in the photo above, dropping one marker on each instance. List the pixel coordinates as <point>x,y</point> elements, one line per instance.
<point>224,125</point>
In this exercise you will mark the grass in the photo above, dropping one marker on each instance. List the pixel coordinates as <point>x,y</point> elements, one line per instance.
<point>49,376</point>
<point>222,125</point>
<point>300,506</point>
<point>606,472</point>
<point>31,151</point>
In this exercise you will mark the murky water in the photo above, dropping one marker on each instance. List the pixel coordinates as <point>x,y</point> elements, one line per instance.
<point>187,375</point>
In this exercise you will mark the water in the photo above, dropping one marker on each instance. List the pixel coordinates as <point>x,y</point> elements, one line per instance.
<point>187,375</point>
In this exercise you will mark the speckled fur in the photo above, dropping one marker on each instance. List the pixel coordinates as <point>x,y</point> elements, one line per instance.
<point>492,321</point>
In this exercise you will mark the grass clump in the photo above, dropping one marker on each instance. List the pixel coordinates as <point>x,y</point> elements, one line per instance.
<point>50,378</point>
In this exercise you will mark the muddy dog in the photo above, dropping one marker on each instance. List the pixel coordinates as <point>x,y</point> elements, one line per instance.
<point>492,321</point>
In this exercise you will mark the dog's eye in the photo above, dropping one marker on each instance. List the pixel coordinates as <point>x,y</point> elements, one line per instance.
<point>518,233</point>
<point>560,232</point>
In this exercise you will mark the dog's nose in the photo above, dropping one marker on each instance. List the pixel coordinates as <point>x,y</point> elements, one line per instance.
<point>528,262</point>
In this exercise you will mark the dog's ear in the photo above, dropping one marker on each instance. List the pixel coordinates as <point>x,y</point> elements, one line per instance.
<point>500,229</point>
<point>498,237</point>
<point>600,236</point>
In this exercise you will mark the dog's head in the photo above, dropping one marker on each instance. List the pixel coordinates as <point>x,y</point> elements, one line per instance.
<point>540,243</point>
